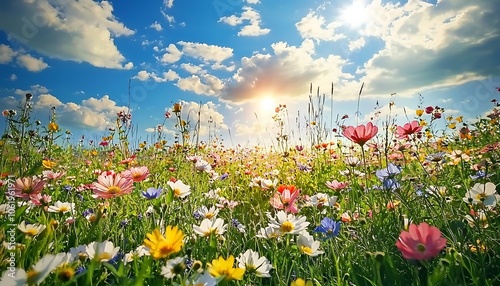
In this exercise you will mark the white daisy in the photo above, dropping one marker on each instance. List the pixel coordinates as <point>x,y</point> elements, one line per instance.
<point>252,262</point>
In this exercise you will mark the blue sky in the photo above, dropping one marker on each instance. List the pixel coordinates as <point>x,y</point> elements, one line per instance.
<point>241,58</point>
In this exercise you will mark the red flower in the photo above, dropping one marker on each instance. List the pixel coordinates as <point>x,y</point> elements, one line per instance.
<point>282,188</point>
<point>360,134</point>
<point>429,109</point>
<point>420,242</point>
<point>408,129</point>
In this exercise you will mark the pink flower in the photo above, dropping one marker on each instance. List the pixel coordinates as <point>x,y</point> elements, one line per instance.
<point>40,199</point>
<point>137,174</point>
<point>112,186</point>
<point>28,187</point>
<point>361,134</point>
<point>286,200</point>
<point>420,242</point>
<point>48,174</point>
<point>408,129</point>
<point>336,185</point>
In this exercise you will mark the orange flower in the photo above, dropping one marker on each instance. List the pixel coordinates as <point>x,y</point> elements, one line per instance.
<point>53,126</point>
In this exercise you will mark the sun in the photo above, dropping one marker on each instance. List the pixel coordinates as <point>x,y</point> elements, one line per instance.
<point>267,104</point>
<point>355,14</point>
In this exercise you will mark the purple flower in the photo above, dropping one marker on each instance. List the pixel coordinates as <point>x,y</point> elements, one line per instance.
<point>328,227</point>
<point>152,193</point>
<point>388,176</point>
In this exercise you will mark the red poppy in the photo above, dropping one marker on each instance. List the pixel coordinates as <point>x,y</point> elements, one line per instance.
<point>408,129</point>
<point>361,134</point>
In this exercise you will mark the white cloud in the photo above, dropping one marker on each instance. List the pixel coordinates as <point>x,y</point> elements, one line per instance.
<point>192,69</point>
<point>128,66</point>
<point>170,18</point>
<point>172,55</point>
<point>150,130</point>
<point>357,44</point>
<point>32,64</point>
<point>253,28</point>
<point>80,31</point>
<point>206,52</point>
<point>144,75</point>
<point>13,77</point>
<point>219,66</point>
<point>208,111</point>
<point>34,89</point>
<point>287,72</point>
<point>6,54</point>
<point>168,3</point>
<point>205,84</point>
<point>253,1</point>
<point>452,43</point>
<point>313,26</point>
<point>156,26</point>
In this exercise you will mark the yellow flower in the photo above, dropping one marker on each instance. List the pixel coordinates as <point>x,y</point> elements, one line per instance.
<point>177,107</point>
<point>53,126</point>
<point>162,246</point>
<point>301,282</point>
<point>459,119</point>
<point>423,122</point>
<point>48,164</point>
<point>452,125</point>
<point>142,145</point>
<point>222,267</point>
<point>419,112</point>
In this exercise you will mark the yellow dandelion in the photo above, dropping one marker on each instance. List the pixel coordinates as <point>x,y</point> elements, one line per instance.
<point>161,246</point>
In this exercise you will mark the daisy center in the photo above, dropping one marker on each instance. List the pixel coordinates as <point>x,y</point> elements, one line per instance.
<point>114,190</point>
<point>306,249</point>
<point>177,192</point>
<point>287,226</point>
<point>31,231</point>
<point>103,256</point>
<point>209,215</point>
<point>32,275</point>
<point>481,196</point>
<point>64,209</point>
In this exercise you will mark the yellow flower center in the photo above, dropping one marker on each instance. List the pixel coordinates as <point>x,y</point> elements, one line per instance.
<point>209,215</point>
<point>306,249</point>
<point>27,190</point>
<point>114,190</point>
<point>31,231</point>
<point>177,192</point>
<point>64,209</point>
<point>31,276</point>
<point>165,249</point>
<point>66,274</point>
<point>481,196</point>
<point>287,226</point>
<point>103,256</point>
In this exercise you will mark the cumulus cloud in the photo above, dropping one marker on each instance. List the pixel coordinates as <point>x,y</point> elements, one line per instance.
<point>168,3</point>
<point>192,69</point>
<point>169,75</point>
<point>6,54</point>
<point>80,31</point>
<point>157,26</point>
<point>205,84</point>
<point>34,89</point>
<point>207,112</point>
<point>206,52</point>
<point>172,55</point>
<point>253,18</point>
<point>13,77</point>
<point>452,43</point>
<point>288,71</point>
<point>313,26</point>
<point>32,64</point>
<point>357,44</point>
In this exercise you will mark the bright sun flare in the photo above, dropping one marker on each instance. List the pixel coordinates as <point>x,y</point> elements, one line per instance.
<point>355,14</point>
<point>267,104</point>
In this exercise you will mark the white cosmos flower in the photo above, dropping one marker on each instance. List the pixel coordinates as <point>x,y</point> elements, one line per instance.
<point>140,251</point>
<point>269,233</point>
<point>36,274</point>
<point>208,213</point>
<point>485,194</point>
<point>180,189</point>
<point>208,227</point>
<point>78,253</point>
<point>60,207</point>
<point>173,267</point>
<point>287,223</point>
<point>102,251</point>
<point>251,261</point>
<point>31,229</point>
<point>203,280</point>
<point>308,245</point>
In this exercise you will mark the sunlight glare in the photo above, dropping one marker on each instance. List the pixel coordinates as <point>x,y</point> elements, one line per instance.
<point>355,14</point>
<point>267,104</point>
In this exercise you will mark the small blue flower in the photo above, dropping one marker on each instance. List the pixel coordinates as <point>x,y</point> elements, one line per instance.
<point>197,215</point>
<point>152,193</point>
<point>388,176</point>
<point>87,212</point>
<point>481,174</point>
<point>68,188</point>
<point>328,227</point>
<point>79,270</point>
<point>224,176</point>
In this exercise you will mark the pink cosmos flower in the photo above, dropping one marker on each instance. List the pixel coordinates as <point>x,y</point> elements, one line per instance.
<point>420,242</point>
<point>286,199</point>
<point>28,187</point>
<point>40,199</point>
<point>408,129</point>
<point>111,186</point>
<point>361,134</point>
<point>48,174</point>
<point>336,185</point>
<point>137,174</point>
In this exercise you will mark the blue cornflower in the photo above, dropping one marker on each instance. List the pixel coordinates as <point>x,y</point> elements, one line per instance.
<point>152,193</point>
<point>197,215</point>
<point>328,227</point>
<point>79,270</point>
<point>68,188</point>
<point>87,212</point>
<point>124,223</point>
<point>224,176</point>
<point>388,176</point>
<point>481,174</point>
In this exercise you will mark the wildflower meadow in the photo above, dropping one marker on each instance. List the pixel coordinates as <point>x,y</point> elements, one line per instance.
<point>385,202</point>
